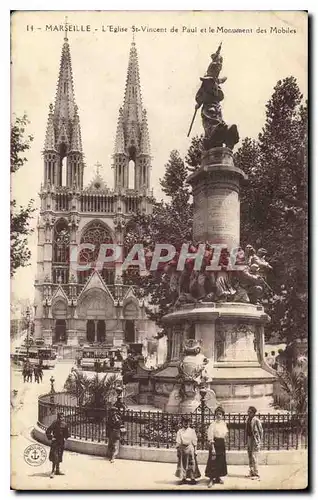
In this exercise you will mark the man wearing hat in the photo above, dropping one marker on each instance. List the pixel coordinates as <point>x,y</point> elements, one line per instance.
<point>57,433</point>
<point>114,426</point>
<point>254,434</point>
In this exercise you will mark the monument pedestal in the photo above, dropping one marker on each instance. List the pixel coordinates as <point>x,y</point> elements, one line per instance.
<point>216,188</point>
<point>232,338</point>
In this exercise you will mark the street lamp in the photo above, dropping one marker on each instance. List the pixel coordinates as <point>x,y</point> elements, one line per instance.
<point>27,314</point>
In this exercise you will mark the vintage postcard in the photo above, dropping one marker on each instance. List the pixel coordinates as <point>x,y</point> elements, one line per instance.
<point>159,250</point>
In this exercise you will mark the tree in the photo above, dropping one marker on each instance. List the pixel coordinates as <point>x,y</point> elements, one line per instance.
<point>194,154</point>
<point>101,393</point>
<point>19,216</point>
<point>77,384</point>
<point>169,223</point>
<point>274,205</point>
<point>293,394</point>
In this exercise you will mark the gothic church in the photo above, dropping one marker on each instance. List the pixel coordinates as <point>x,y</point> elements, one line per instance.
<point>89,306</point>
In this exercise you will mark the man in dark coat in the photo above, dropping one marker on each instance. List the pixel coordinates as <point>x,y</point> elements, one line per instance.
<point>29,371</point>
<point>57,433</point>
<point>40,371</point>
<point>36,374</point>
<point>114,425</point>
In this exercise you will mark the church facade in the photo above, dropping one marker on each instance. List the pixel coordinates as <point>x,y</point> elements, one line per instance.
<point>93,306</point>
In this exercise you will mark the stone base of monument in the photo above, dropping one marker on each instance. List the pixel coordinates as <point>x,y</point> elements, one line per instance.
<point>231,336</point>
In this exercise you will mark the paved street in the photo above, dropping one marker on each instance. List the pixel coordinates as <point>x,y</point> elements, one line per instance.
<point>88,472</point>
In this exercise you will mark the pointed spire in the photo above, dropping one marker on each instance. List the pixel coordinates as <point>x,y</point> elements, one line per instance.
<point>132,101</point>
<point>49,144</point>
<point>65,100</point>
<point>132,136</point>
<point>144,139</point>
<point>120,140</point>
<point>76,142</point>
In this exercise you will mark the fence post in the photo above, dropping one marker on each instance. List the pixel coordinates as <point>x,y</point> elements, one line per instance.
<point>203,392</point>
<point>52,392</point>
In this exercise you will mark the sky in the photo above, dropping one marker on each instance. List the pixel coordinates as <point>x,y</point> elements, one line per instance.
<point>170,64</point>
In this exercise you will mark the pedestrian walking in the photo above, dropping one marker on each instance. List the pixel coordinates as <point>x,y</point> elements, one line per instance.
<point>115,429</point>
<point>40,372</point>
<point>36,374</point>
<point>29,371</point>
<point>254,434</point>
<point>216,467</point>
<point>187,466</point>
<point>25,372</point>
<point>57,433</point>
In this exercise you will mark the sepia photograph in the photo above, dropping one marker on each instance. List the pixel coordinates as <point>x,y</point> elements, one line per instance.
<point>159,250</point>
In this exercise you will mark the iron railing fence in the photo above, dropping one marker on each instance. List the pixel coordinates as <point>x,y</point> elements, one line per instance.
<point>158,429</point>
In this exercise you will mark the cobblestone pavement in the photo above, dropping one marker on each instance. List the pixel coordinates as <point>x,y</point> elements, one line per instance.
<point>84,472</point>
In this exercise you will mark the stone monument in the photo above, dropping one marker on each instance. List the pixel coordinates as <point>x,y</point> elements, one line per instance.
<point>221,309</point>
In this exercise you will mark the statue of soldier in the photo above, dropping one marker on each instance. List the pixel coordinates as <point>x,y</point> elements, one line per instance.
<point>209,97</point>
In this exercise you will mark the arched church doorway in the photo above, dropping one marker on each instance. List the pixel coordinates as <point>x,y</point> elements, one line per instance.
<point>130,331</point>
<point>90,330</point>
<point>60,330</point>
<point>101,330</point>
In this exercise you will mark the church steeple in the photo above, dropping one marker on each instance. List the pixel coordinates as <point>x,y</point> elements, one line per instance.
<point>63,144</point>
<point>132,145</point>
<point>64,99</point>
<point>132,108</point>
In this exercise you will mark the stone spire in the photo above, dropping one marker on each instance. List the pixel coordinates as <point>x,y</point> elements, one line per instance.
<point>132,144</point>
<point>76,142</point>
<point>144,139</point>
<point>132,109</point>
<point>49,144</point>
<point>63,134</point>
<point>120,139</point>
<point>65,100</point>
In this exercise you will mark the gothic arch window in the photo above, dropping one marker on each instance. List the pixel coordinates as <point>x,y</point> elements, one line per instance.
<point>131,174</point>
<point>61,249</point>
<point>61,240</point>
<point>62,162</point>
<point>64,182</point>
<point>96,233</point>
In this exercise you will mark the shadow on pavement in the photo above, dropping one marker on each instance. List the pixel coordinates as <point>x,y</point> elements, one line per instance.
<point>40,474</point>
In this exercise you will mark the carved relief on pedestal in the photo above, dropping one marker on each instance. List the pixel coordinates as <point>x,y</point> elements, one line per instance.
<point>235,342</point>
